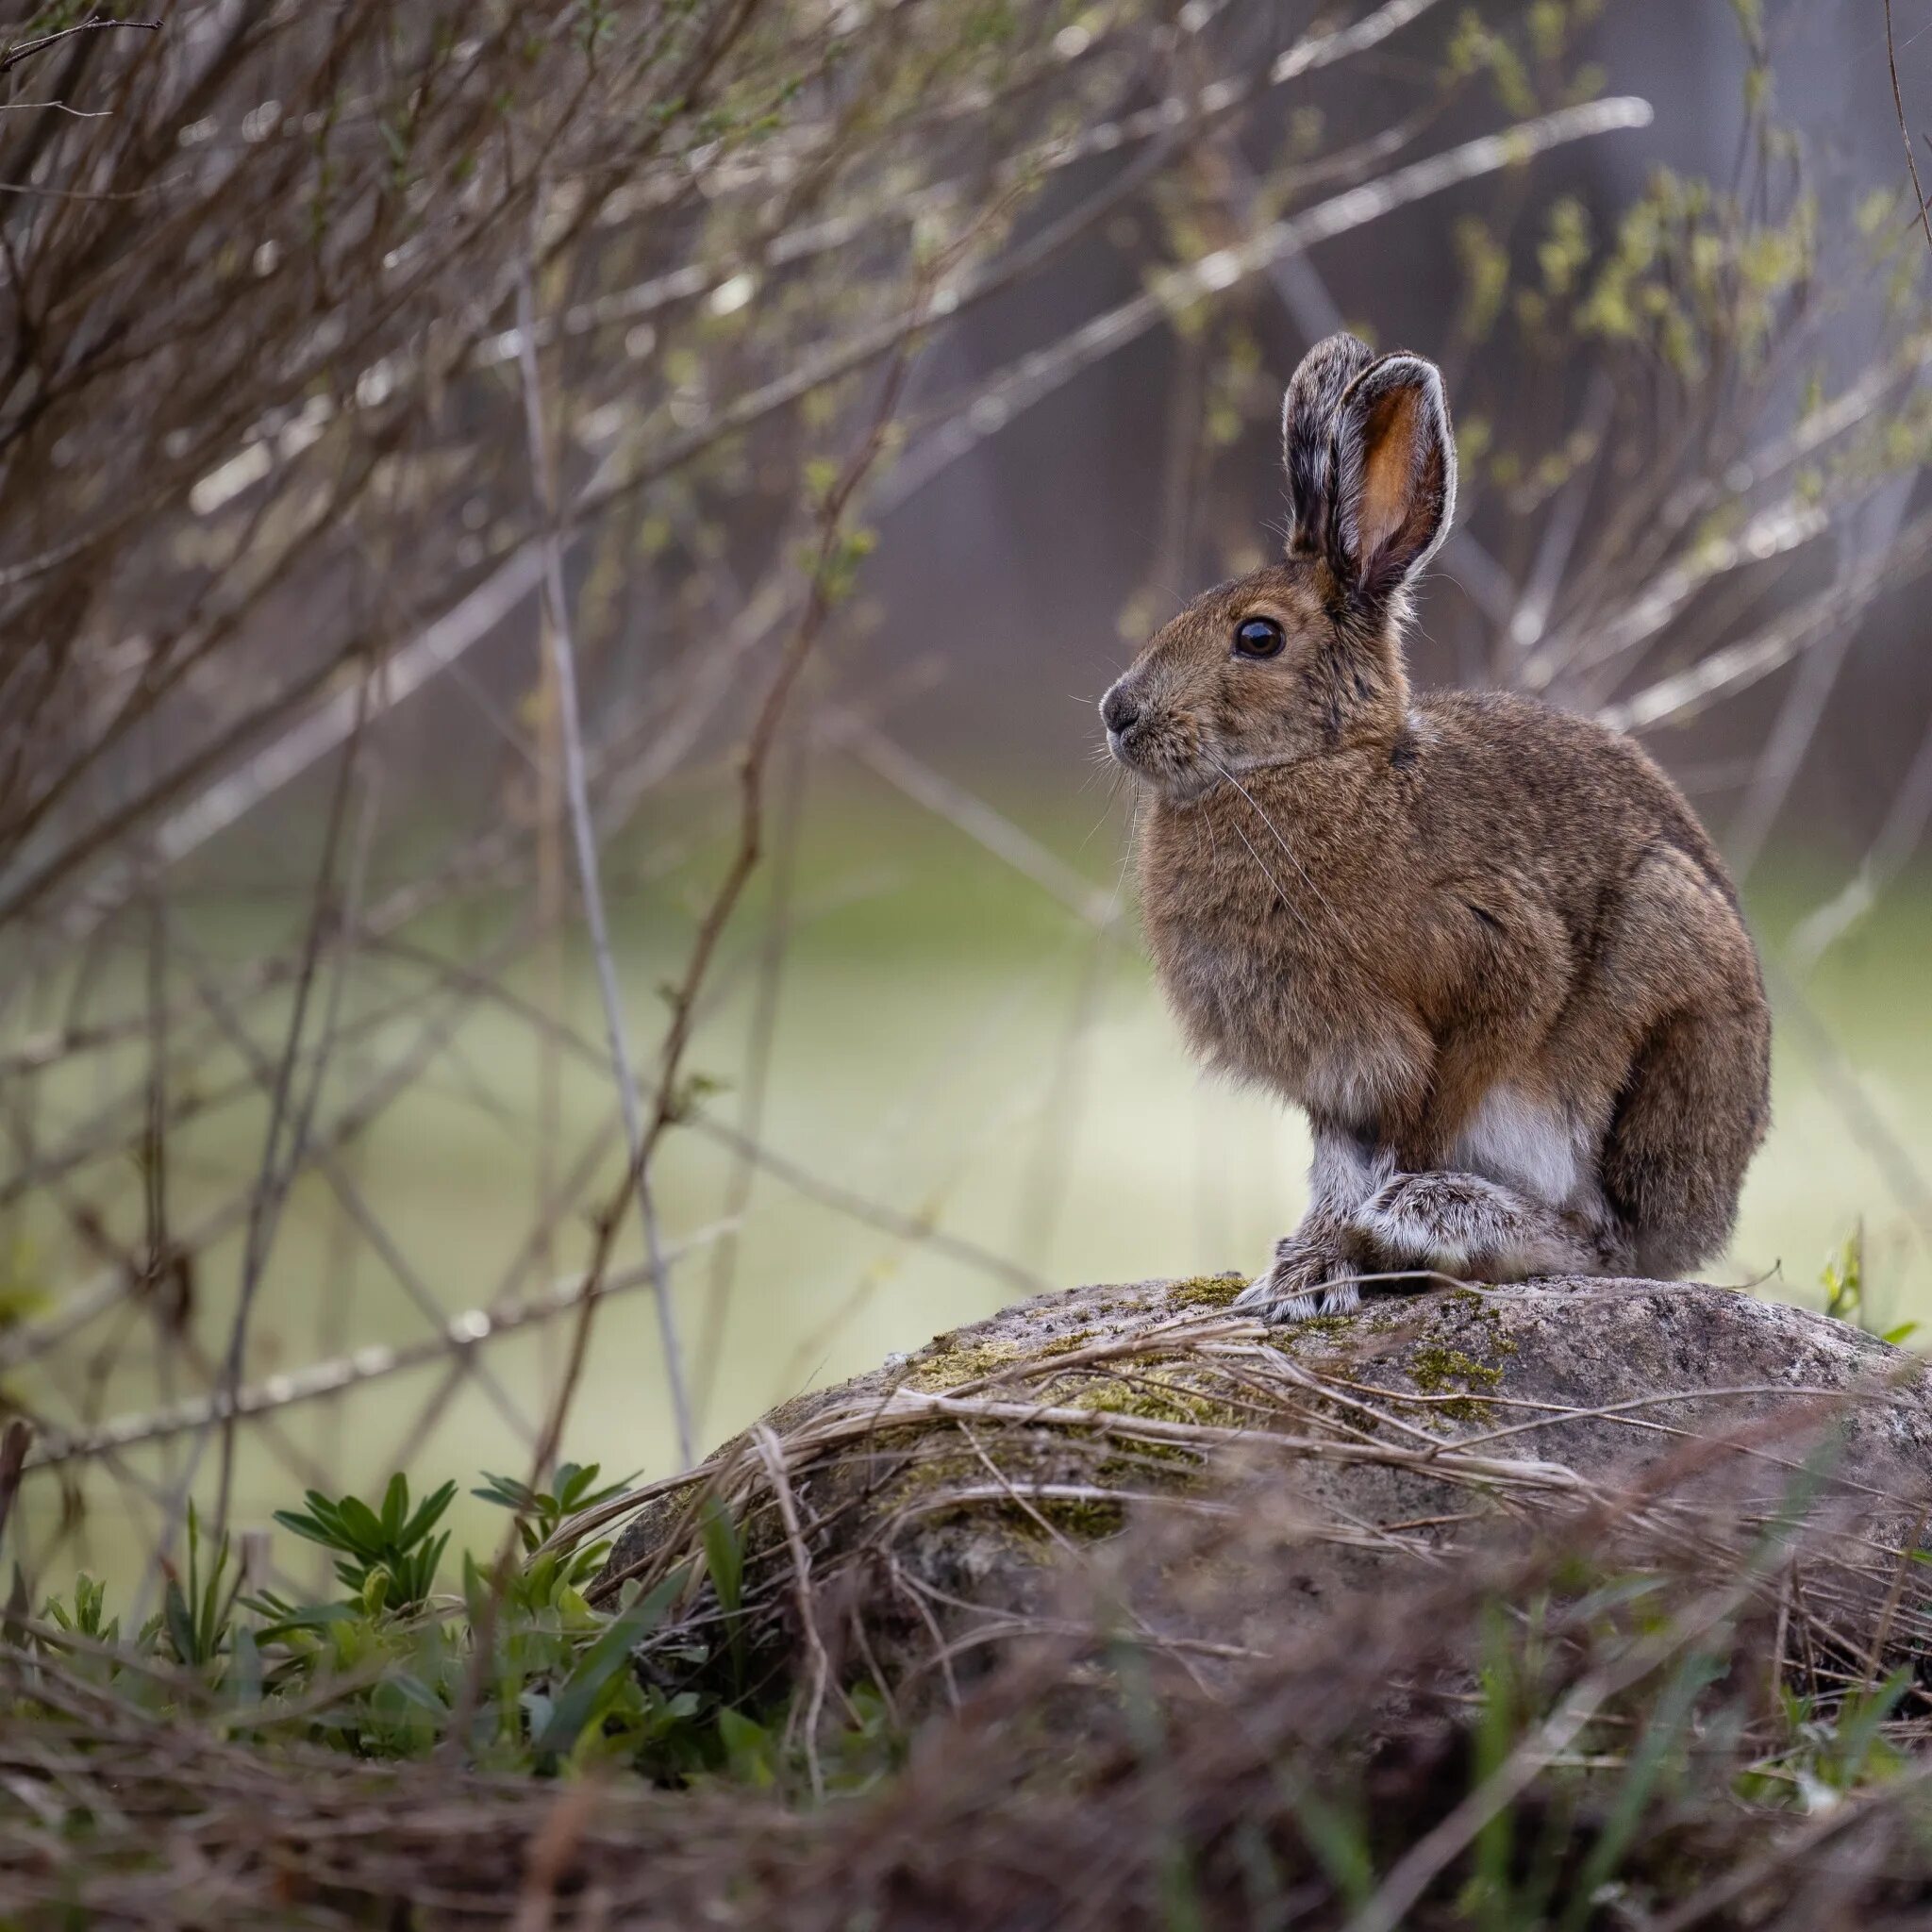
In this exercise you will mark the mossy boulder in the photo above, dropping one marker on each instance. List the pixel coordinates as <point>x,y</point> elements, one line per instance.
<point>925,1513</point>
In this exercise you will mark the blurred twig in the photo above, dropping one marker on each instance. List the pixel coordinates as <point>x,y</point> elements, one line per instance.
<point>589,881</point>
<point>1904,132</point>
<point>26,50</point>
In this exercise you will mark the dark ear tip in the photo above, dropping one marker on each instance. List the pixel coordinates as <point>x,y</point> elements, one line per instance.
<point>1342,344</point>
<point>1309,410</point>
<point>1400,369</point>
<point>1329,366</point>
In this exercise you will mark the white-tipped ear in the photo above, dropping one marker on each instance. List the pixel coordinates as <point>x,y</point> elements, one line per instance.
<point>1309,410</point>
<point>1394,475</point>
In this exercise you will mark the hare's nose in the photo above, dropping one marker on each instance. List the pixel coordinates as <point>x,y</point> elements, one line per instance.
<point>1119,712</point>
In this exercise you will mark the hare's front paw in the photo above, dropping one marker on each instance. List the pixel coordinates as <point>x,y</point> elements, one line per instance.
<point>1306,1277</point>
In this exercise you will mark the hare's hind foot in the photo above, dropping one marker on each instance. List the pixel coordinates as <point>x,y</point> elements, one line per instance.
<point>1306,1277</point>
<point>1468,1227</point>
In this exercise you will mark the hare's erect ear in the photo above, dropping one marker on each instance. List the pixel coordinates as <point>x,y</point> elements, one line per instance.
<point>1308,413</point>
<point>1393,476</point>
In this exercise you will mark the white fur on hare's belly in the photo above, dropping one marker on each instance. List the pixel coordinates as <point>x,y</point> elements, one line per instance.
<point>1521,1141</point>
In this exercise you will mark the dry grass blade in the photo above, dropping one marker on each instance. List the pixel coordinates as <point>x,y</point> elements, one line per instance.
<point>589,878</point>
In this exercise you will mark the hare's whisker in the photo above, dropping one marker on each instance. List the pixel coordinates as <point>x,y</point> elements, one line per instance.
<point>1126,860</point>
<point>1105,815</point>
<point>1274,832</point>
<point>1274,881</point>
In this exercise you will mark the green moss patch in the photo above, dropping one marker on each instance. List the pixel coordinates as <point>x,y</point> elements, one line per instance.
<point>1161,1396</point>
<point>1084,1519</point>
<point>1205,1291</point>
<point>1436,1371</point>
<point>946,1363</point>
<point>1067,1344</point>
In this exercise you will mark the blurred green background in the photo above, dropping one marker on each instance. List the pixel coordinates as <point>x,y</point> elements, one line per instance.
<point>937,351</point>
<point>951,1048</point>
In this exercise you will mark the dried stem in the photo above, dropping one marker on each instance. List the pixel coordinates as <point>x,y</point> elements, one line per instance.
<point>563,655</point>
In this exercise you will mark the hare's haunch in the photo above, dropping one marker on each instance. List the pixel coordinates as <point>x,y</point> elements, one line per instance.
<point>1483,943</point>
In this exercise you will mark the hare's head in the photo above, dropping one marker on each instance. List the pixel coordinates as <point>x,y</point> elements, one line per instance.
<point>1304,656</point>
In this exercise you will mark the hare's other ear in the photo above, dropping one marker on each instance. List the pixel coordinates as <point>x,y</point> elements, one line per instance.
<point>1308,413</point>
<point>1393,476</point>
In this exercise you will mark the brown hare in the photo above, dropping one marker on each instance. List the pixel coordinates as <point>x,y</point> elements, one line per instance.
<point>1483,943</point>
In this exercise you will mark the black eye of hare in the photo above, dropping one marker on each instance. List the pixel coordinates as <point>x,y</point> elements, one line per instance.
<point>1258,637</point>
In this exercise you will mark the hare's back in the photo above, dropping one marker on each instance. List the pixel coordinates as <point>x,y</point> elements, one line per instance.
<point>1516,782</point>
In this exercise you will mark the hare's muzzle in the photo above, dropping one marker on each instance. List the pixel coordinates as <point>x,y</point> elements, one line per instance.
<point>1120,713</point>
